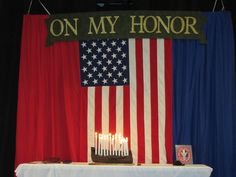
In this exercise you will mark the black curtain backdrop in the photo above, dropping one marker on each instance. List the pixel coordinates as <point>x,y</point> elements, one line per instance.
<point>11,23</point>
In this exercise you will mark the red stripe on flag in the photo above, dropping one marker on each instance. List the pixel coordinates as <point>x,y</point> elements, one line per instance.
<point>168,86</point>
<point>112,109</point>
<point>140,100</point>
<point>154,102</point>
<point>126,107</point>
<point>98,109</point>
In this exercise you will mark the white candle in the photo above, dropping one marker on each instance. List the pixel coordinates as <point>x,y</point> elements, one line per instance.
<point>105,144</point>
<point>109,144</point>
<point>112,144</point>
<point>100,145</point>
<point>120,141</point>
<point>115,144</point>
<point>121,147</point>
<point>126,146</point>
<point>118,144</point>
<point>101,140</point>
<point>95,143</point>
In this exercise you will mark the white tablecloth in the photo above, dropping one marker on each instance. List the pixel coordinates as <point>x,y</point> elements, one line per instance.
<point>86,170</point>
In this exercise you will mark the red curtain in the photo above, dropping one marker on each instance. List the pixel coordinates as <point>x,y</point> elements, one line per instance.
<point>49,97</point>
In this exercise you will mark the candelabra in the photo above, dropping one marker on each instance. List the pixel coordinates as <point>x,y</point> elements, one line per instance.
<point>111,148</point>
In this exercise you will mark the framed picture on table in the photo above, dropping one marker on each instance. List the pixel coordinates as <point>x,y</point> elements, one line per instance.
<point>184,154</point>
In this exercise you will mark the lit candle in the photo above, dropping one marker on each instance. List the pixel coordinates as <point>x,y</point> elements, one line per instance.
<point>102,146</point>
<point>121,147</point>
<point>99,144</point>
<point>109,144</point>
<point>105,144</point>
<point>126,146</point>
<point>112,144</point>
<point>115,144</point>
<point>95,143</point>
<point>120,144</point>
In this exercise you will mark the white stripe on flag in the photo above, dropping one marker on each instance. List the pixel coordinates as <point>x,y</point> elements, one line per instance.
<point>161,99</point>
<point>105,110</point>
<point>91,120</point>
<point>119,109</point>
<point>133,100</point>
<point>147,101</point>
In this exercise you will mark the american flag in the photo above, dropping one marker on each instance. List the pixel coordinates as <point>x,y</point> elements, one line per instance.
<point>129,91</point>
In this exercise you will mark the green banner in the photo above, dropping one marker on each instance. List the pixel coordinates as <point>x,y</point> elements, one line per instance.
<point>126,24</point>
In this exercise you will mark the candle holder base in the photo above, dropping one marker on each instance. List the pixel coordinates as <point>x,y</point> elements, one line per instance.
<point>111,158</point>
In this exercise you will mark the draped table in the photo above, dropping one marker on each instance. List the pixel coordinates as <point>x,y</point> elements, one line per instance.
<point>110,170</point>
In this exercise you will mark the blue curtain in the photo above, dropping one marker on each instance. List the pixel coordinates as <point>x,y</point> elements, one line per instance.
<point>204,95</point>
